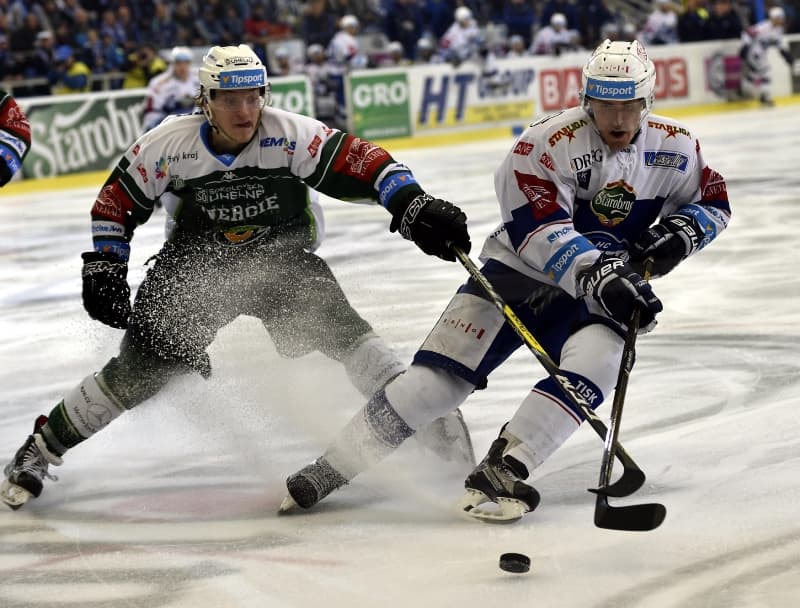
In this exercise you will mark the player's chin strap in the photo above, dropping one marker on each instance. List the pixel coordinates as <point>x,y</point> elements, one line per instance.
<point>633,517</point>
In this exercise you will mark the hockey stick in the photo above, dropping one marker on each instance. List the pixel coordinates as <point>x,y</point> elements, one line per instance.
<point>632,476</point>
<point>641,517</point>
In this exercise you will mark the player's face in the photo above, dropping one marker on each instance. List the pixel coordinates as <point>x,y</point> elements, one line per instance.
<point>617,121</point>
<point>181,69</point>
<point>236,113</point>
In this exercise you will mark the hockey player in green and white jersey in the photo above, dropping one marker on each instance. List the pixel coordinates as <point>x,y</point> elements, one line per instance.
<point>242,243</point>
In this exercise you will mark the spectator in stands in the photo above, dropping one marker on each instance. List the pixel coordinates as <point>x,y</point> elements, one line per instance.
<point>141,66</point>
<point>462,39</point>
<point>395,56</point>
<point>723,21</point>
<point>40,63</point>
<point>595,17</point>
<point>427,52</point>
<point>661,26</point>
<point>692,21</point>
<point>185,18</point>
<point>516,46</point>
<point>69,75</point>
<point>259,30</point>
<point>519,18</point>
<point>8,67</point>
<point>318,70</point>
<point>319,23</point>
<point>162,31</point>
<point>284,64</point>
<point>24,37</point>
<point>555,38</point>
<point>131,30</point>
<point>438,15</point>
<point>232,26</point>
<point>565,7</point>
<point>110,27</point>
<point>404,24</point>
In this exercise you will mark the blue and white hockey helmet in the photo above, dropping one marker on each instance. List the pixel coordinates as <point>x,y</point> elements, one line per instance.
<point>617,71</point>
<point>232,67</point>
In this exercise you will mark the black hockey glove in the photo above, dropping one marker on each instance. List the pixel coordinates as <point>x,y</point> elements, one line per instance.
<point>669,242</point>
<point>433,224</point>
<point>613,284</point>
<point>106,294</point>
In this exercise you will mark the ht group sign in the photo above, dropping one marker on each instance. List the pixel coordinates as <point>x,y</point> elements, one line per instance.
<point>474,94</point>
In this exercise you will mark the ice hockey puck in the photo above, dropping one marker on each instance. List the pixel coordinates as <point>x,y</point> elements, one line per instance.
<point>515,562</point>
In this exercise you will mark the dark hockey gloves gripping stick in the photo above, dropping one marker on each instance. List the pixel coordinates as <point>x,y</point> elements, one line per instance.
<point>106,294</point>
<point>618,289</point>
<point>669,242</point>
<point>433,224</point>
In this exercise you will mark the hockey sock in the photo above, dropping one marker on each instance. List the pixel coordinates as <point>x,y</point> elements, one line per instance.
<point>84,411</point>
<point>371,364</point>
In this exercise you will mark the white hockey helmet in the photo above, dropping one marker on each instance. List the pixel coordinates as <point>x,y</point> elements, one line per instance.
<point>463,14</point>
<point>348,21</point>
<point>231,67</point>
<point>558,20</point>
<point>617,71</point>
<point>180,53</point>
<point>776,13</point>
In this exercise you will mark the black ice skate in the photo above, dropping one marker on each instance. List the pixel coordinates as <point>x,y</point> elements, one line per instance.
<point>25,473</point>
<point>448,437</point>
<point>498,479</point>
<point>311,484</point>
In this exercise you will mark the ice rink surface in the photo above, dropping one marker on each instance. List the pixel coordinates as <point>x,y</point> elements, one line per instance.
<point>174,505</point>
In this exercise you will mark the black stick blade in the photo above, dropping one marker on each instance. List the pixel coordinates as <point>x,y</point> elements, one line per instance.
<point>630,481</point>
<point>634,518</point>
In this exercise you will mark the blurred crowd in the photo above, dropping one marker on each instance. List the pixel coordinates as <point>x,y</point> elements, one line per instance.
<point>60,46</point>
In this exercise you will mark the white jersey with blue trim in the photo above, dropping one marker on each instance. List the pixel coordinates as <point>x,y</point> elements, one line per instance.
<point>565,197</point>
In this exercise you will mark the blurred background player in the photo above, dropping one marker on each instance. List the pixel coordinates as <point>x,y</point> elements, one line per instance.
<point>173,91</point>
<point>585,195</point>
<point>756,42</point>
<point>318,69</point>
<point>15,137</point>
<point>344,54</point>
<point>555,38</point>
<point>242,245</point>
<point>462,40</point>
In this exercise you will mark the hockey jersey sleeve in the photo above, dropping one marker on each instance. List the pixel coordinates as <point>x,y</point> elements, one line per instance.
<point>127,199</point>
<point>537,203</point>
<point>704,197</point>
<point>347,167</point>
<point>15,137</point>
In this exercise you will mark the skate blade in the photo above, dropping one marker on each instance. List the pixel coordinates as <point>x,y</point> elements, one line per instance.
<point>505,511</point>
<point>13,495</point>
<point>287,505</point>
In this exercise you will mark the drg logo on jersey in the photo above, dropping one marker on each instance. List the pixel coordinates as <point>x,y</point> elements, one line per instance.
<point>613,203</point>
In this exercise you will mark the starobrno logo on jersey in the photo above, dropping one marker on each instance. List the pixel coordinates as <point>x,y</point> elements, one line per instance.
<point>613,203</point>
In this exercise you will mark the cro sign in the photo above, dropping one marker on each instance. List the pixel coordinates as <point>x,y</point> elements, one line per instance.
<point>560,88</point>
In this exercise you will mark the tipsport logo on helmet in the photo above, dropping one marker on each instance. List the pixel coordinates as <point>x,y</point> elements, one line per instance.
<point>242,79</point>
<point>608,89</point>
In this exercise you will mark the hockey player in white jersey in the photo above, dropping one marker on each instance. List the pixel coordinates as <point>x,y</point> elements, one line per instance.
<point>241,245</point>
<point>172,92</point>
<point>756,41</point>
<point>586,195</point>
